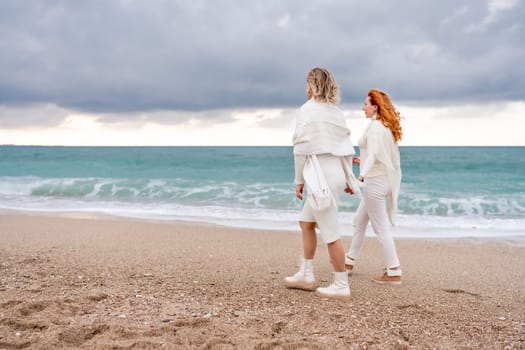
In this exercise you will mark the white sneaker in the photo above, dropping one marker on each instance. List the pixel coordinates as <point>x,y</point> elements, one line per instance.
<point>337,290</point>
<point>304,278</point>
<point>349,263</point>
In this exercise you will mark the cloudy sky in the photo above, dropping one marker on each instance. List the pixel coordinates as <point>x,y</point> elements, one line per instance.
<point>130,72</point>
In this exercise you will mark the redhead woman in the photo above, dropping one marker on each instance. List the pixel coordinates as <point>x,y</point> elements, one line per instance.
<point>323,154</point>
<point>380,171</point>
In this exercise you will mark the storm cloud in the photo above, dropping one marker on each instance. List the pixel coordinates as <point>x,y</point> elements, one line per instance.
<point>132,56</point>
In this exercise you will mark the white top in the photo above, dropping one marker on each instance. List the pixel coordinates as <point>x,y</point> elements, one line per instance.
<point>380,156</point>
<point>320,129</point>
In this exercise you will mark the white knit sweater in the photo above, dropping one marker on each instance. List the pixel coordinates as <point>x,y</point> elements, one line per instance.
<point>379,155</point>
<point>320,129</point>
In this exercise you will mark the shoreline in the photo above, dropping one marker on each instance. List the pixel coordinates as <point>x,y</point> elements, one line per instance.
<point>117,283</point>
<point>517,239</point>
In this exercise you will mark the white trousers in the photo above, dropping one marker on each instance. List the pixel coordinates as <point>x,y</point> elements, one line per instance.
<point>327,220</point>
<point>373,208</point>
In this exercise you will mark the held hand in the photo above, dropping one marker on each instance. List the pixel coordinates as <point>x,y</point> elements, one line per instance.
<point>356,160</point>
<point>299,191</point>
<point>348,189</point>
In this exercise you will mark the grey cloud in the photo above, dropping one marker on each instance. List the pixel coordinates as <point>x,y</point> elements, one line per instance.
<point>168,117</point>
<point>131,56</point>
<point>46,115</point>
<point>286,118</point>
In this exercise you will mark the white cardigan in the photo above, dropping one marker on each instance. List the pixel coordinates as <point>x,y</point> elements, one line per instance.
<point>377,145</point>
<point>320,129</point>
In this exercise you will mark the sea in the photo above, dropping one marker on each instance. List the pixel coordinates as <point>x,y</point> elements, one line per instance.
<point>445,192</point>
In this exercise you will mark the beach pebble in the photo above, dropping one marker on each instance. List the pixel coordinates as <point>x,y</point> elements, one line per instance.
<point>502,318</point>
<point>18,334</point>
<point>148,274</point>
<point>122,316</point>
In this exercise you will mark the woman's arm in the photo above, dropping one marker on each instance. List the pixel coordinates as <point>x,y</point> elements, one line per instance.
<point>369,162</point>
<point>299,180</point>
<point>373,141</point>
<point>299,166</point>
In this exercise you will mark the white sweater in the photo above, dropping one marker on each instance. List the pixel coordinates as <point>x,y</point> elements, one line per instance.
<point>380,156</point>
<point>320,129</point>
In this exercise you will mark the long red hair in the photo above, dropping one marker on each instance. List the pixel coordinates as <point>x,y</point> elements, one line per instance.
<point>386,112</point>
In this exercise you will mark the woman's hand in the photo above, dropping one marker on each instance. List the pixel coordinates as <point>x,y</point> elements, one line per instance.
<point>299,191</point>
<point>356,160</point>
<point>348,189</point>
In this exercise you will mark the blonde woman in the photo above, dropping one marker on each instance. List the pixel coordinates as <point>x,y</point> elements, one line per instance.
<point>321,138</point>
<point>380,171</point>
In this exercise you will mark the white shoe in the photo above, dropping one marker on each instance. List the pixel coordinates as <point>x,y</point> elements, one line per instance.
<point>337,290</point>
<point>349,263</point>
<point>389,276</point>
<point>304,278</point>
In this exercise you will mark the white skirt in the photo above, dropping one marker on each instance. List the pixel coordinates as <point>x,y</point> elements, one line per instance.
<point>327,219</point>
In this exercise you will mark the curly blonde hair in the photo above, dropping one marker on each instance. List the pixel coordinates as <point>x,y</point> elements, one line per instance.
<point>323,86</point>
<point>386,112</point>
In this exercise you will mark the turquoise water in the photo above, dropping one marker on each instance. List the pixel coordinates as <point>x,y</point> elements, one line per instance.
<point>446,191</point>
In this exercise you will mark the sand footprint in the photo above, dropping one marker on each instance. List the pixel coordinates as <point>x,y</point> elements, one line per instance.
<point>76,336</point>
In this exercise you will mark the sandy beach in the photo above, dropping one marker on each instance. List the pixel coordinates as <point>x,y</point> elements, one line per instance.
<point>107,283</point>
